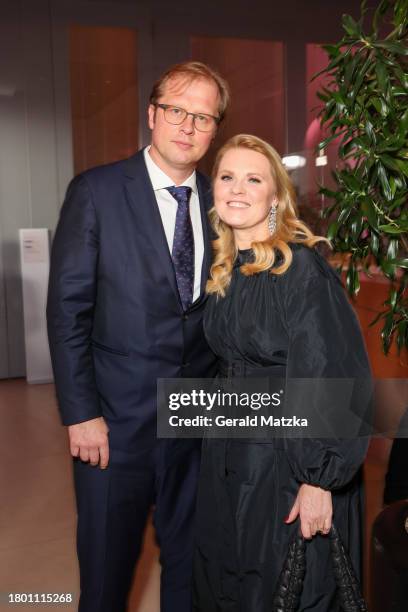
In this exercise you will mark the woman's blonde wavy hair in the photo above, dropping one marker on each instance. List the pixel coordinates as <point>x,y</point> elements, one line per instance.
<point>289,228</point>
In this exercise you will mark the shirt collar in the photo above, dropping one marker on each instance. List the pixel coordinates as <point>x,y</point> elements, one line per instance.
<point>160,180</point>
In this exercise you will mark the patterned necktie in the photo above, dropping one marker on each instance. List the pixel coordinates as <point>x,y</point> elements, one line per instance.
<point>183,245</point>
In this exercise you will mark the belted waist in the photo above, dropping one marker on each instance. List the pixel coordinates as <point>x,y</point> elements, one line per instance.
<point>244,369</point>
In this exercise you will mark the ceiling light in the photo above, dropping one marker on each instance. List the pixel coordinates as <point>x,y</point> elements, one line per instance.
<point>291,162</point>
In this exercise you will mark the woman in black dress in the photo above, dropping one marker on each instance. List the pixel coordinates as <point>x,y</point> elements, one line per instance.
<point>275,308</point>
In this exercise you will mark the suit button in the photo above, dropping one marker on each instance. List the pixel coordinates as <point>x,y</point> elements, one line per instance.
<point>185,364</point>
<point>185,317</point>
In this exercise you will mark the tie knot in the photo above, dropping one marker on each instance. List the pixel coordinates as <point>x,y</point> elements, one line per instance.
<point>181,194</point>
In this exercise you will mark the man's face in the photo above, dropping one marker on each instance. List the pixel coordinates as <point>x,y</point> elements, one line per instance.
<point>178,148</point>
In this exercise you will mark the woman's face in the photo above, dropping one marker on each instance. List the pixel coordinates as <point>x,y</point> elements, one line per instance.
<point>244,192</point>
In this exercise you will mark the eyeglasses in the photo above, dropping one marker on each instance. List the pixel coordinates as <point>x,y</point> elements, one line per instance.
<point>176,116</point>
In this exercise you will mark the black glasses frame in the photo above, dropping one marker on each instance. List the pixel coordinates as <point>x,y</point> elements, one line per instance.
<point>186,114</point>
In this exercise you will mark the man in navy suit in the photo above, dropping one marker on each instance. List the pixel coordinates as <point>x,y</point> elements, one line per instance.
<point>129,264</point>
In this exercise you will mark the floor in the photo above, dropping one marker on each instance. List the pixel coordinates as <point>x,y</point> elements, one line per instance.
<point>37,512</point>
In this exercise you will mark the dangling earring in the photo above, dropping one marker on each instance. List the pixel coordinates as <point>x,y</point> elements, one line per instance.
<point>272,219</point>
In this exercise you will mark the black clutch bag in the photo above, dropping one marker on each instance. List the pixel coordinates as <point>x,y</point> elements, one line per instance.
<point>290,583</point>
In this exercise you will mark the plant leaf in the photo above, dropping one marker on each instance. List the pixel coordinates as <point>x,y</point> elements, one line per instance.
<point>391,163</point>
<point>382,76</point>
<point>382,175</point>
<point>375,243</point>
<point>388,268</point>
<point>380,11</point>
<point>332,230</point>
<point>391,229</point>
<point>392,249</point>
<point>368,209</point>
<point>393,47</point>
<point>401,263</point>
<point>352,27</point>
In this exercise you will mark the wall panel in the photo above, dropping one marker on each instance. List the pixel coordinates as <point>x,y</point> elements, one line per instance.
<point>254,70</point>
<point>104,94</point>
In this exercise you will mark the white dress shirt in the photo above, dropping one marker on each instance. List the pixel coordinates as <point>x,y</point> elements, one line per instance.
<point>168,210</point>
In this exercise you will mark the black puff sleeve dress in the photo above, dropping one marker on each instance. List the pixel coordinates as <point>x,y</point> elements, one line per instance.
<point>301,325</point>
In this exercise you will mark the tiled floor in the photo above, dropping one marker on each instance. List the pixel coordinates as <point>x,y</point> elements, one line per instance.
<point>37,512</point>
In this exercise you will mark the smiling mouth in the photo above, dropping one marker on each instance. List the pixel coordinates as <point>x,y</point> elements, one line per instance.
<point>238,204</point>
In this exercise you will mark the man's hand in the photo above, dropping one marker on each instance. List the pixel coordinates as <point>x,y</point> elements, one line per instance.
<point>315,509</point>
<point>89,441</point>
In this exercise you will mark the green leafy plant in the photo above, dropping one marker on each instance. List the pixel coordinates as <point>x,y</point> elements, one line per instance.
<point>365,107</point>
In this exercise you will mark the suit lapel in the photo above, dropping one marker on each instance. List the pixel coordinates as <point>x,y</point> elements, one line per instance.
<point>147,215</point>
<point>205,197</point>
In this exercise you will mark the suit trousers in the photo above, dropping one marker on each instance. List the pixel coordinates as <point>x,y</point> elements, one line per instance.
<point>113,507</point>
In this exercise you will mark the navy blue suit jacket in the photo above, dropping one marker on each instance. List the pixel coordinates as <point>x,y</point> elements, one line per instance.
<point>115,321</point>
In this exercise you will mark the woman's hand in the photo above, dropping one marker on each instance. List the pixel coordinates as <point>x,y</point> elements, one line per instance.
<point>314,507</point>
